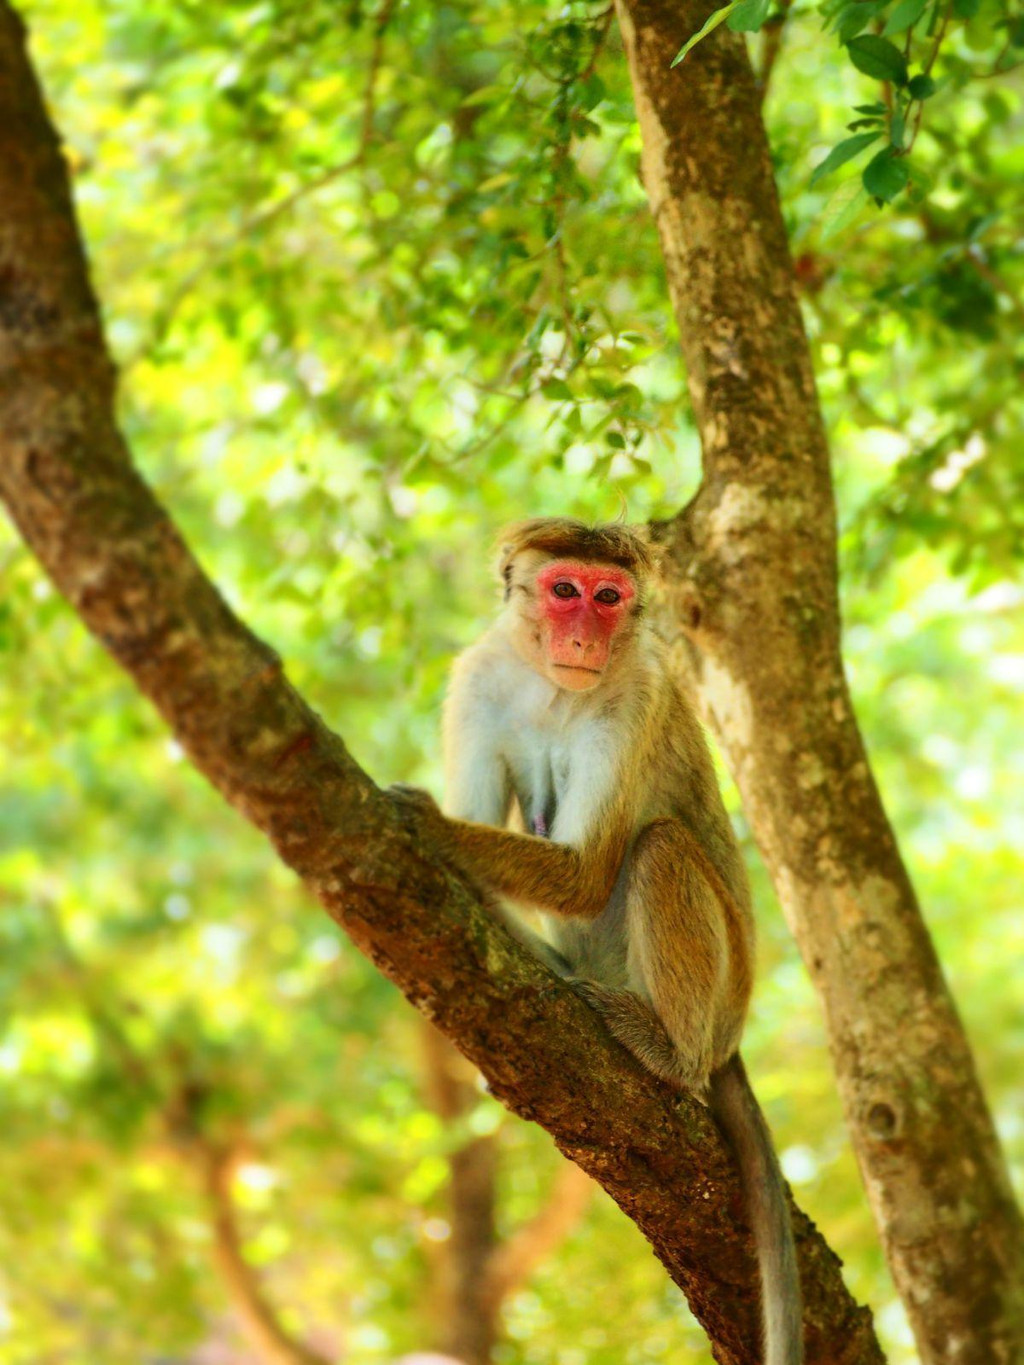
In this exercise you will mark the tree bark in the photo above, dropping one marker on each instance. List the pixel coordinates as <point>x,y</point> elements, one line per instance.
<point>754,611</point>
<point>112,551</point>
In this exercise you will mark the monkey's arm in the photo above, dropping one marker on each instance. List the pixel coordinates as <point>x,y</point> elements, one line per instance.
<point>558,878</point>
<point>477,785</point>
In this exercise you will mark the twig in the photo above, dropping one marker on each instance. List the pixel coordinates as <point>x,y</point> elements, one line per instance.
<point>770,45</point>
<point>926,69</point>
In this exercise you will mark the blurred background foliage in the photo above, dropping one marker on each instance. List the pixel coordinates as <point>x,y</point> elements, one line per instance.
<point>378,280</point>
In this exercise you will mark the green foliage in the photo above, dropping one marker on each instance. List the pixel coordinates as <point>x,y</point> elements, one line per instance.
<point>929,34</point>
<point>342,381</point>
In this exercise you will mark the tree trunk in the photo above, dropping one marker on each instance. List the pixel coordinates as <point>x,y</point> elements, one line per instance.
<point>753,607</point>
<point>479,1270</point>
<point>109,547</point>
<point>468,1326</point>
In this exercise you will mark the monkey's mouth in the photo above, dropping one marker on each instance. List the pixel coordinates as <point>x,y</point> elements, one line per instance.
<point>579,668</point>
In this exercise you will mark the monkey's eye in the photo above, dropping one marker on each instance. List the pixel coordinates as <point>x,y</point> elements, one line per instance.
<point>564,589</point>
<point>608,596</point>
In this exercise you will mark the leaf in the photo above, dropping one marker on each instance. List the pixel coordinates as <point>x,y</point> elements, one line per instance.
<point>877,108</point>
<point>495,182</point>
<point>484,95</point>
<point>711,23</point>
<point>854,18</point>
<point>748,16</point>
<point>885,175</point>
<point>841,153</point>
<point>921,87</point>
<point>896,127</point>
<point>904,15</point>
<point>592,92</point>
<point>842,208</point>
<point>556,389</point>
<point>966,9</point>
<point>615,439</point>
<point>878,57</point>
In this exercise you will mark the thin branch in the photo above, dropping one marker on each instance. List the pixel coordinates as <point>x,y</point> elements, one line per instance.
<point>514,1260</point>
<point>259,1321</point>
<point>99,1008</point>
<point>771,44</point>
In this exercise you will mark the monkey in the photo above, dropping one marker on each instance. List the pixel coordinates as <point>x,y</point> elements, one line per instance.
<point>579,784</point>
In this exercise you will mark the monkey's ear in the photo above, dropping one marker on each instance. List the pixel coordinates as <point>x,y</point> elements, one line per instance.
<point>508,545</point>
<point>652,552</point>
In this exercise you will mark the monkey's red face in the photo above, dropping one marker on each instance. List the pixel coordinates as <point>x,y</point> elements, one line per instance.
<point>581,608</point>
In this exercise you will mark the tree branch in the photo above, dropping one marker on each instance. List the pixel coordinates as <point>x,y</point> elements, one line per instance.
<point>754,615</point>
<point>258,1320</point>
<point>513,1261</point>
<point>110,548</point>
<point>466,1316</point>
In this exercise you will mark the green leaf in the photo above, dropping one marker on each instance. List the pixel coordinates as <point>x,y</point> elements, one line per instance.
<point>615,439</point>
<point>921,87</point>
<point>904,15</point>
<point>966,9</point>
<point>841,153</point>
<point>877,108</point>
<point>556,389</point>
<point>591,92</point>
<point>878,57</point>
<point>885,175</point>
<point>749,16</point>
<point>842,208</point>
<point>484,95</point>
<point>854,18</point>
<point>711,23</point>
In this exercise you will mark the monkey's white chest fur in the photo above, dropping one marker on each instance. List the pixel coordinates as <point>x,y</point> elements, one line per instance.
<point>563,761</point>
<point>562,758</point>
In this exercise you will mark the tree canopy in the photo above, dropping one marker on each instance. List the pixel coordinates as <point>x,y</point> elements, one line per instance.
<point>378,280</point>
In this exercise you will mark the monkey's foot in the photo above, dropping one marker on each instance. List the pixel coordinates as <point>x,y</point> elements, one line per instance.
<point>634,1023</point>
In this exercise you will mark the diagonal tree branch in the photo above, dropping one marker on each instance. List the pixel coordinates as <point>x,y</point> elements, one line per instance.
<point>110,548</point>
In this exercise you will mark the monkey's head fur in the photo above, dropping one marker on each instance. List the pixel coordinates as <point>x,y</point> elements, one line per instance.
<point>574,595</point>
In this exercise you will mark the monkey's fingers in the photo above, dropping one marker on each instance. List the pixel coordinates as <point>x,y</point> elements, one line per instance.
<point>412,798</point>
<point>418,811</point>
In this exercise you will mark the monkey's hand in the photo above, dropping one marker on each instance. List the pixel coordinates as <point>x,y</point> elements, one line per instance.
<point>420,814</point>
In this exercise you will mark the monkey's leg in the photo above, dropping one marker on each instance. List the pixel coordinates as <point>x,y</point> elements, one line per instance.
<point>636,1026</point>
<point>678,948</point>
<point>538,946</point>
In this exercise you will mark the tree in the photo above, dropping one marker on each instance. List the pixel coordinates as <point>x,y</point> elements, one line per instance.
<point>202,743</point>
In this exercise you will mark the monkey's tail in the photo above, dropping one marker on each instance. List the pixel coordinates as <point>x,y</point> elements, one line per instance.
<point>739,1114</point>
